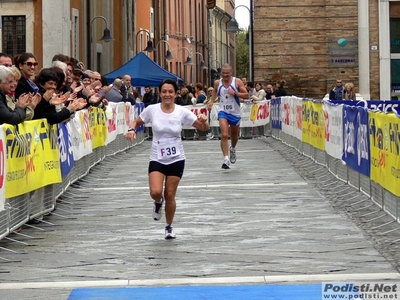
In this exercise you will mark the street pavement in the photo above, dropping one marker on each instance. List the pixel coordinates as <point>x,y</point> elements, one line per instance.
<point>261,221</point>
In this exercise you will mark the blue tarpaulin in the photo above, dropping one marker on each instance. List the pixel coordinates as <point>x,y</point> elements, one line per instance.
<point>144,72</point>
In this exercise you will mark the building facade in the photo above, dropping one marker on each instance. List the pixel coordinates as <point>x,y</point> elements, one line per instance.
<point>76,28</point>
<point>313,42</point>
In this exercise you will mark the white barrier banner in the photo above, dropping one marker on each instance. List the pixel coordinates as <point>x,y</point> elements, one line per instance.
<point>291,116</point>
<point>121,118</point>
<point>3,169</point>
<point>333,115</point>
<point>111,115</point>
<point>255,114</point>
<point>197,110</point>
<point>80,134</point>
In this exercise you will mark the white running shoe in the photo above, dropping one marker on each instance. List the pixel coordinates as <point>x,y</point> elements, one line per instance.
<point>169,232</point>
<point>226,164</point>
<point>157,209</point>
<point>232,155</point>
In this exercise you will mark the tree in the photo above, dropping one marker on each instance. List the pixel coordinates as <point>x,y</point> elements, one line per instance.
<point>242,55</point>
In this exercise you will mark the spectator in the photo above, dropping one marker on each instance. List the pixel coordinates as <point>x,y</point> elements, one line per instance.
<point>269,92</point>
<point>260,93</point>
<point>337,93</point>
<point>178,98</point>
<point>137,96</point>
<point>7,114</point>
<point>61,57</point>
<point>349,94</point>
<point>186,96</point>
<point>209,94</point>
<point>5,60</point>
<point>250,88</point>
<point>34,99</point>
<point>127,90</point>
<point>201,95</point>
<point>27,64</point>
<point>279,90</point>
<point>149,98</point>
<point>47,81</point>
<point>114,94</point>
<point>85,79</point>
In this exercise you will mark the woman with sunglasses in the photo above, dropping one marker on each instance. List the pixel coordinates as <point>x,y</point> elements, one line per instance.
<point>26,62</point>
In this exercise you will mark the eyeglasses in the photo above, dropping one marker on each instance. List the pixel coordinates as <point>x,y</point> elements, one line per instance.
<point>7,65</point>
<point>31,64</point>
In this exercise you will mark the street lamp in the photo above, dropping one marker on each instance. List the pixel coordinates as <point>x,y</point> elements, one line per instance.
<point>149,47</point>
<point>188,61</point>
<point>234,27</point>
<point>202,64</point>
<point>168,55</point>
<point>106,37</point>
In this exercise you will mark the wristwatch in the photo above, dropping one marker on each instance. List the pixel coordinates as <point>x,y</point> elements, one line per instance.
<point>131,129</point>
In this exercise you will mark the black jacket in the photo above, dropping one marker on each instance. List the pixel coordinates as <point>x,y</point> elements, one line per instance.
<point>23,87</point>
<point>8,115</point>
<point>49,112</point>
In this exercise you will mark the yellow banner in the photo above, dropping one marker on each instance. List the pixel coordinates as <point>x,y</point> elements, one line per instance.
<point>313,124</point>
<point>98,127</point>
<point>384,130</point>
<point>33,158</point>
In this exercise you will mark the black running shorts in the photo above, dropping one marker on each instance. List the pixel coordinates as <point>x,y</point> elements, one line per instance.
<point>174,169</point>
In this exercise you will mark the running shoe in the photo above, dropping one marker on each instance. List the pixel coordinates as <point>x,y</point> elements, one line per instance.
<point>169,232</point>
<point>232,155</point>
<point>226,164</point>
<point>157,210</point>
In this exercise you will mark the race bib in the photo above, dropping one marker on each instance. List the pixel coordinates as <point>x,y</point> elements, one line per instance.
<point>228,107</point>
<point>168,150</point>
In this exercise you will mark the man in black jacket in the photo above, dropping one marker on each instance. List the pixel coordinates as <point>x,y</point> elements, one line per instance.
<point>149,97</point>
<point>337,92</point>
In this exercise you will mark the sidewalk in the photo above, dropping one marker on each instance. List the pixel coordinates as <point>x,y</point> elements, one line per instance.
<point>258,222</point>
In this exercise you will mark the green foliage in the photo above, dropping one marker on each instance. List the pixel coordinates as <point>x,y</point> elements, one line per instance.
<point>242,55</point>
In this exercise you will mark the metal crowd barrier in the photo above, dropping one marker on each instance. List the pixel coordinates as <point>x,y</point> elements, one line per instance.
<point>19,210</point>
<point>24,208</point>
<point>384,199</point>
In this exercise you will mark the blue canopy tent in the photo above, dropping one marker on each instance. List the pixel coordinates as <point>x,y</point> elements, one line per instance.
<point>144,72</point>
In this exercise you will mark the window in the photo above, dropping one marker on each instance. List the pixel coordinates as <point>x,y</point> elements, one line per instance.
<point>14,34</point>
<point>152,22</point>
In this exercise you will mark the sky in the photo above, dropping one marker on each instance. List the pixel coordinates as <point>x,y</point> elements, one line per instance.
<point>242,15</point>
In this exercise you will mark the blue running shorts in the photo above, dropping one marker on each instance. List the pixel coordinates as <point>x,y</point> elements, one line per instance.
<point>232,120</point>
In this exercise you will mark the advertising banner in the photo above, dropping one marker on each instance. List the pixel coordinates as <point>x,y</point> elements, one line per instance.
<point>276,121</point>
<point>98,127</point>
<point>384,133</point>
<point>65,147</point>
<point>355,139</point>
<point>33,158</point>
<point>333,115</point>
<point>79,129</point>
<point>313,124</point>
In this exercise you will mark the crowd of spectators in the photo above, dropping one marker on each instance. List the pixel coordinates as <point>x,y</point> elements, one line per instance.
<point>56,91</point>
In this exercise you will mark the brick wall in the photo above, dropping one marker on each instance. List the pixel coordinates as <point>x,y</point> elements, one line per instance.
<point>293,41</point>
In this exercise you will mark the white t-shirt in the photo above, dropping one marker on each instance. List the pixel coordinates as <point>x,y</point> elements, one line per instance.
<point>167,146</point>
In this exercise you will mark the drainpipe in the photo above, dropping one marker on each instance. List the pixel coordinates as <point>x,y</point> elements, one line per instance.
<point>363,50</point>
<point>384,51</point>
